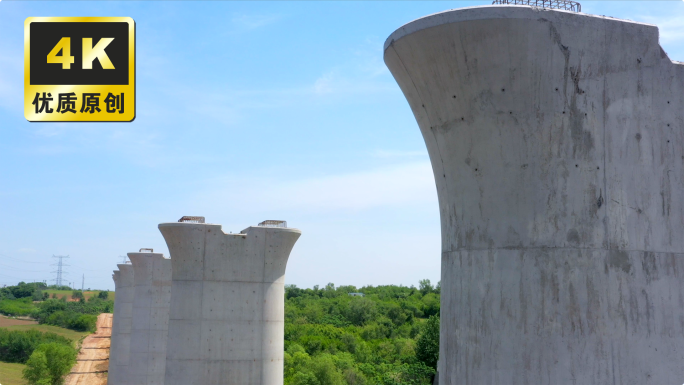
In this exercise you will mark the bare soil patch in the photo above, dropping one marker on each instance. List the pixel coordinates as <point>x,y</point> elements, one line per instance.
<point>6,321</point>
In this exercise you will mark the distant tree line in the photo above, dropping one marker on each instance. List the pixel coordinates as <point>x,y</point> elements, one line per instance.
<point>33,290</point>
<point>20,300</point>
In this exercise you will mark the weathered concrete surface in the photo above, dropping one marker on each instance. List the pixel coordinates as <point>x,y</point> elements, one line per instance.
<point>556,144</point>
<point>121,326</point>
<point>113,370</point>
<point>226,319</point>
<point>149,329</point>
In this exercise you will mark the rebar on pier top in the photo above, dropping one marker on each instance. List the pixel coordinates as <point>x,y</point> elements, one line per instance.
<point>566,5</point>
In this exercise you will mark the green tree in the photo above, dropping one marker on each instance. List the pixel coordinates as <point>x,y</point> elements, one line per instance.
<point>103,295</point>
<point>49,364</point>
<point>37,295</point>
<point>36,371</point>
<point>305,378</point>
<point>354,377</point>
<point>361,311</point>
<point>425,286</point>
<point>427,347</point>
<point>431,304</point>
<point>323,367</point>
<point>77,294</point>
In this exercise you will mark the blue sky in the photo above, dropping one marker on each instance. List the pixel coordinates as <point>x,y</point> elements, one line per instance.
<point>246,111</point>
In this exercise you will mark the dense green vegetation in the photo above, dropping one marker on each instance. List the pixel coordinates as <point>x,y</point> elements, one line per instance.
<point>17,307</point>
<point>390,336</point>
<point>17,346</point>
<point>81,315</point>
<point>48,357</point>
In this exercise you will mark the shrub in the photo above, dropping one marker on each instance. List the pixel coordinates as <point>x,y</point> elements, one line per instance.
<point>37,295</point>
<point>17,346</point>
<point>17,307</point>
<point>84,323</point>
<point>49,364</point>
<point>81,316</point>
<point>103,295</point>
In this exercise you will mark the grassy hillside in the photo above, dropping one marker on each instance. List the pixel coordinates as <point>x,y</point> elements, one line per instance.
<point>10,374</point>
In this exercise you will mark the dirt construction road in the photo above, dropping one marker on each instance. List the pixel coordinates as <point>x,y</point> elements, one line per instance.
<point>93,359</point>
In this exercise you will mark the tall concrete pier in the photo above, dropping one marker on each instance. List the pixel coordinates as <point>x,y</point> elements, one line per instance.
<point>119,351</point>
<point>226,318</point>
<point>152,294</point>
<point>556,140</point>
<point>113,370</point>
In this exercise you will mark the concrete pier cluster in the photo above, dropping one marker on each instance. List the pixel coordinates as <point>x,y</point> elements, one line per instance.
<point>211,314</point>
<point>556,141</point>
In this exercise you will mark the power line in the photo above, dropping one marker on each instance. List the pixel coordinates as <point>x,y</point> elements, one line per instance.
<point>60,265</point>
<point>22,270</point>
<point>18,259</point>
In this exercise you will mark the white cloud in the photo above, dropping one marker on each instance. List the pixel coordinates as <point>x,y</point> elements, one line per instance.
<point>369,56</point>
<point>327,83</point>
<point>362,73</point>
<point>398,185</point>
<point>393,154</point>
<point>671,27</point>
<point>346,81</point>
<point>250,22</point>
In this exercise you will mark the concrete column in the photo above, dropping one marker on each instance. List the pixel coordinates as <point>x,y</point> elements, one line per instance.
<point>556,141</point>
<point>152,294</point>
<point>226,319</point>
<point>112,370</point>
<point>121,326</point>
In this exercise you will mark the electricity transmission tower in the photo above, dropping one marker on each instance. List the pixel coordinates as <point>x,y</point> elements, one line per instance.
<point>60,264</point>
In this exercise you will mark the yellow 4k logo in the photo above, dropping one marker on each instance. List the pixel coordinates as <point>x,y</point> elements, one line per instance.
<point>90,53</point>
<point>79,69</point>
